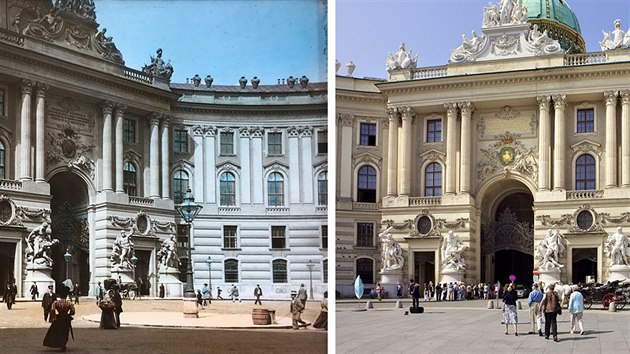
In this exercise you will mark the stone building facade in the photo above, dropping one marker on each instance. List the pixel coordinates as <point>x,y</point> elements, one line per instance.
<point>94,148</point>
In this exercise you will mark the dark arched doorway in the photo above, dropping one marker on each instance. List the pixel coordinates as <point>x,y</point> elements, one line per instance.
<point>584,265</point>
<point>69,219</point>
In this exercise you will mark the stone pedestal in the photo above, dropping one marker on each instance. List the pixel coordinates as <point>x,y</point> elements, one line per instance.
<point>452,276</point>
<point>389,281</point>
<point>549,276</point>
<point>39,273</point>
<point>619,272</point>
<point>172,286</point>
<point>190,307</point>
<point>126,275</point>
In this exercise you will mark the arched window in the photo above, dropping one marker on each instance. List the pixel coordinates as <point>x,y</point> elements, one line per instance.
<point>230,270</point>
<point>2,160</point>
<point>129,179</point>
<point>275,189</point>
<point>322,188</point>
<point>279,271</point>
<point>180,184</point>
<point>433,180</point>
<point>227,187</point>
<point>366,192</point>
<point>365,269</point>
<point>585,172</point>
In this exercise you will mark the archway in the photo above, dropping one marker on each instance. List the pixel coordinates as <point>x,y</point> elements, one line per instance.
<point>69,218</point>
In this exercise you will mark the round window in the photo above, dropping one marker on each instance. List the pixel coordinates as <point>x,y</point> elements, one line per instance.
<point>424,225</point>
<point>6,212</point>
<point>142,223</point>
<point>585,220</point>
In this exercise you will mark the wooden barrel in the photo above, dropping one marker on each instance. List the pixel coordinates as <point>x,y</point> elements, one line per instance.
<point>261,317</point>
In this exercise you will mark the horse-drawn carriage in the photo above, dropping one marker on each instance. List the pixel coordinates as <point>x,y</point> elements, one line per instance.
<point>607,293</point>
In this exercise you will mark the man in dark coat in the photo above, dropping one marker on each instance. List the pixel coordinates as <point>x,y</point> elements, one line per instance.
<point>34,291</point>
<point>47,301</point>
<point>302,295</point>
<point>414,290</point>
<point>9,294</point>
<point>257,294</point>
<point>118,302</point>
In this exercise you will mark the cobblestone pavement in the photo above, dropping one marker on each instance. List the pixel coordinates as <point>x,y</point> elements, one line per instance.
<point>468,327</point>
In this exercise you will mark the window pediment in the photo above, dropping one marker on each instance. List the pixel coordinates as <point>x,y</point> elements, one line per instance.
<point>367,158</point>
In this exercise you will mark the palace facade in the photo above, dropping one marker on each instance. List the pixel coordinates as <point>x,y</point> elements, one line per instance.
<point>519,133</point>
<point>94,148</point>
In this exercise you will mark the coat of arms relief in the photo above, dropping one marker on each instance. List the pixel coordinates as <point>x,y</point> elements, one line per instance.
<point>507,154</point>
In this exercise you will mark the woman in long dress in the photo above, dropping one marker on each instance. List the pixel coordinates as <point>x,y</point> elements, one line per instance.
<point>61,314</point>
<point>322,319</point>
<point>107,305</point>
<point>510,316</point>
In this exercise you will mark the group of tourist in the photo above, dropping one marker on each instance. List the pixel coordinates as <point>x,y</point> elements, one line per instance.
<point>452,291</point>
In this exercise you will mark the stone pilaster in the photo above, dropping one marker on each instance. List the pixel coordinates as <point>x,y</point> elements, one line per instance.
<point>392,152</point>
<point>294,160</point>
<point>467,109</point>
<point>118,123</point>
<point>625,138</point>
<point>346,142</point>
<point>107,109</point>
<point>257,173</point>
<point>544,142</point>
<point>154,157</point>
<point>451,147</point>
<point>560,145</point>
<point>210,164</point>
<point>306,158</point>
<point>246,177</point>
<point>405,150</point>
<point>40,125</point>
<point>611,138</point>
<point>198,158</point>
<point>166,162</point>
<point>25,131</point>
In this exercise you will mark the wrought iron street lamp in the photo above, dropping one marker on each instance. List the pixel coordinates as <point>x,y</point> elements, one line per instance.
<point>134,260</point>
<point>209,262</point>
<point>188,210</point>
<point>67,256</point>
<point>310,276</point>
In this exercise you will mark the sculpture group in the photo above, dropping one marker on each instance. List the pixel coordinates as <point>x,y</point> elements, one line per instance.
<point>617,247</point>
<point>392,252</point>
<point>167,255</point>
<point>615,39</point>
<point>402,59</point>
<point>158,68</point>
<point>506,12</point>
<point>38,245</point>
<point>122,251</point>
<point>549,250</point>
<point>453,252</point>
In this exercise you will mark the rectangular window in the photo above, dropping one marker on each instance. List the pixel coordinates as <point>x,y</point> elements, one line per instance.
<point>2,100</point>
<point>586,120</point>
<point>182,236</point>
<point>229,236</point>
<point>322,142</point>
<point>274,144</point>
<point>279,271</point>
<point>180,140</point>
<point>129,131</point>
<point>325,269</point>
<point>278,237</point>
<point>324,236</point>
<point>434,130</point>
<point>365,234</point>
<point>231,270</point>
<point>367,134</point>
<point>227,143</point>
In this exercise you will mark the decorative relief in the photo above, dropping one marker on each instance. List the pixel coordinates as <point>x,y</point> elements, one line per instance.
<point>345,119</point>
<point>123,223</point>
<point>401,59</point>
<point>588,147</point>
<point>68,147</point>
<point>33,214</point>
<point>166,226</point>
<point>432,156</point>
<point>580,221</point>
<point>507,155</point>
<point>507,113</point>
<point>306,131</point>
<point>366,158</point>
<point>507,232</point>
<point>293,132</point>
<point>257,132</point>
<point>244,132</point>
<point>9,212</point>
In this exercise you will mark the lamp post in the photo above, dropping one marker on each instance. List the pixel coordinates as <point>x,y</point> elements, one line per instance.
<point>310,276</point>
<point>209,262</point>
<point>188,210</point>
<point>134,260</point>
<point>67,256</point>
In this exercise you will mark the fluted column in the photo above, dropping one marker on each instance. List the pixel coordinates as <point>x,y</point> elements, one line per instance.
<point>166,162</point>
<point>611,138</point>
<point>559,148</point>
<point>392,152</point>
<point>258,183</point>
<point>544,142</point>
<point>464,173</point>
<point>345,143</point>
<point>246,179</point>
<point>198,159</point>
<point>40,113</point>
<point>625,138</point>
<point>107,145</point>
<point>118,124</point>
<point>451,147</point>
<point>306,158</point>
<point>154,157</point>
<point>294,160</point>
<point>406,147</point>
<point>25,131</point>
<point>210,164</point>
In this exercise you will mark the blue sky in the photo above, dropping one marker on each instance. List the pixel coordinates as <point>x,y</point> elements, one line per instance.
<point>368,29</point>
<point>227,39</point>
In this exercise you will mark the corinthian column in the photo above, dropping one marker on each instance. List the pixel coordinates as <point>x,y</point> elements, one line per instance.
<point>544,143</point>
<point>464,173</point>
<point>118,123</point>
<point>392,152</point>
<point>25,131</point>
<point>559,148</point>
<point>166,163</point>
<point>40,114</point>
<point>107,145</point>
<point>611,138</point>
<point>625,138</point>
<point>405,159</point>
<point>451,137</point>
<point>154,157</point>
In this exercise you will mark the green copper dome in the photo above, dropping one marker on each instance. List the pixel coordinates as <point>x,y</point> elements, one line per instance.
<point>558,19</point>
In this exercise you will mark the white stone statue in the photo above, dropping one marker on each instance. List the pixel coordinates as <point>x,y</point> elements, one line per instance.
<point>452,252</point>
<point>350,67</point>
<point>550,249</point>
<point>401,59</point>
<point>615,39</point>
<point>490,16</point>
<point>167,255</point>
<point>505,11</point>
<point>392,252</point>
<point>617,247</point>
<point>519,13</point>
<point>38,244</point>
<point>122,251</point>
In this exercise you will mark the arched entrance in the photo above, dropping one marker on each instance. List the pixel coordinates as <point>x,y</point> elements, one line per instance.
<point>507,236</point>
<point>69,219</point>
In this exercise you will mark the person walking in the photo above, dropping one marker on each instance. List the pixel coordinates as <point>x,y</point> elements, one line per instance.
<point>9,294</point>
<point>379,292</point>
<point>322,319</point>
<point>61,313</point>
<point>47,301</point>
<point>98,293</point>
<point>257,294</point>
<point>296,310</point>
<point>302,295</point>
<point>76,293</point>
<point>219,297</point>
<point>576,309</point>
<point>550,308</point>
<point>117,300</point>
<point>205,295</point>
<point>510,315</point>
<point>34,291</point>
<point>535,315</point>
<point>414,290</point>
<point>234,293</point>
<point>399,289</point>
<point>161,291</point>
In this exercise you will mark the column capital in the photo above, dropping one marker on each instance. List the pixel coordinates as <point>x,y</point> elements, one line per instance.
<point>243,132</point>
<point>611,97</point>
<point>450,107</point>
<point>467,107</point>
<point>625,96</point>
<point>166,119</point>
<point>543,102</point>
<point>293,132</point>
<point>346,119</point>
<point>154,118</point>
<point>306,131</point>
<point>198,130</point>
<point>26,86</point>
<point>406,112</point>
<point>120,109</point>
<point>391,113</point>
<point>107,107</point>
<point>41,89</point>
<point>559,101</point>
<point>257,132</point>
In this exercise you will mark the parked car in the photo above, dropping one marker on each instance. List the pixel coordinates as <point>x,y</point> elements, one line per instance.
<point>522,291</point>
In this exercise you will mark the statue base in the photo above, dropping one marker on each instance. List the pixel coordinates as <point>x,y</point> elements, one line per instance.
<point>39,273</point>
<point>389,281</point>
<point>452,276</point>
<point>190,307</point>
<point>172,286</point>
<point>549,276</point>
<point>618,272</point>
<point>126,275</point>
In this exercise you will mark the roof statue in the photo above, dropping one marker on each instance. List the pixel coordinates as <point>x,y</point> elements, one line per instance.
<point>616,39</point>
<point>158,68</point>
<point>401,59</point>
<point>505,34</point>
<point>81,8</point>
